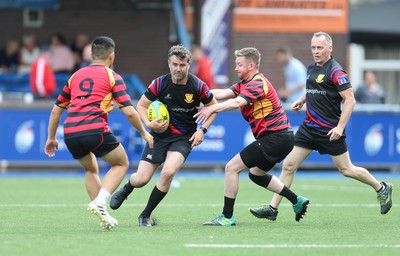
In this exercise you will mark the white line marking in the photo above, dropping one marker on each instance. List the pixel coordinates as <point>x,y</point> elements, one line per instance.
<point>279,246</point>
<point>191,205</point>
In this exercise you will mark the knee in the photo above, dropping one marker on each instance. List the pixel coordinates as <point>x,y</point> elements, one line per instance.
<point>289,166</point>
<point>230,168</point>
<point>139,181</point>
<point>347,172</point>
<point>125,164</point>
<point>93,171</point>
<point>121,165</point>
<point>167,176</point>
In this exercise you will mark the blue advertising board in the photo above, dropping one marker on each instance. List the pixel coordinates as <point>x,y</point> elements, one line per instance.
<point>373,139</point>
<point>29,3</point>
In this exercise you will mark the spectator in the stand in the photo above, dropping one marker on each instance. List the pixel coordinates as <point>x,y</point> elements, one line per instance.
<point>59,55</point>
<point>28,54</point>
<point>41,78</point>
<point>81,40</point>
<point>370,92</point>
<point>201,66</point>
<point>9,57</point>
<point>295,76</point>
<point>86,56</point>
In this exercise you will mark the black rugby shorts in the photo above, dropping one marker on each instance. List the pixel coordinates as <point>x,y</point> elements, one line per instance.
<point>268,150</point>
<point>311,138</point>
<point>99,144</point>
<point>158,153</point>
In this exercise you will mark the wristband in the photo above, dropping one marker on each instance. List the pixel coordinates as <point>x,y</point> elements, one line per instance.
<point>203,129</point>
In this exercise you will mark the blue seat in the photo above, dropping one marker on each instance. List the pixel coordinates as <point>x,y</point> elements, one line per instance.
<point>20,83</point>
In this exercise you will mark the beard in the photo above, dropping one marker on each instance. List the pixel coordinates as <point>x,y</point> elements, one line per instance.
<point>179,76</point>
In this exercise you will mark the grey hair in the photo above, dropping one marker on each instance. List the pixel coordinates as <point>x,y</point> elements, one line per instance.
<point>328,38</point>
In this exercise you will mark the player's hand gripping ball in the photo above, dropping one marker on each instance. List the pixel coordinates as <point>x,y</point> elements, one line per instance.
<point>158,110</point>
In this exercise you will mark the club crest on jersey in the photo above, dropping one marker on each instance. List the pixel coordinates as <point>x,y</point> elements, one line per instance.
<point>189,98</point>
<point>320,78</point>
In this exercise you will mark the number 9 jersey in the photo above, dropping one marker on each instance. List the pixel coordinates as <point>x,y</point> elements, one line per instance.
<point>88,96</point>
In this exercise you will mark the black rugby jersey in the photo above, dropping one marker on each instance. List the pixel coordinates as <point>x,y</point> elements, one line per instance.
<point>323,100</point>
<point>181,101</point>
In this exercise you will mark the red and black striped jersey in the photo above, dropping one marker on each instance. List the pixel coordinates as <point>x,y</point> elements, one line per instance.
<point>322,94</point>
<point>89,95</point>
<point>264,111</point>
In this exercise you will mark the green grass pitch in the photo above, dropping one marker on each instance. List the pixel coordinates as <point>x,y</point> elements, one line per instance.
<point>47,216</point>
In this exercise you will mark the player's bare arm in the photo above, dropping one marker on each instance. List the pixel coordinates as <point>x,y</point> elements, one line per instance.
<point>134,119</point>
<point>54,120</point>
<point>198,137</point>
<point>348,105</point>
<point>231,104</point>
<point>221,94</point>
<point>298,105</point>
<point>154,125</point>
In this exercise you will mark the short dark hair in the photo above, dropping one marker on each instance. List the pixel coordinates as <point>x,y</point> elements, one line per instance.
<point>102,46</point>
<point>181,52</point>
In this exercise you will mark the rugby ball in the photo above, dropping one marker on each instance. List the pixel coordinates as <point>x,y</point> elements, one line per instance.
<point>158,110</point>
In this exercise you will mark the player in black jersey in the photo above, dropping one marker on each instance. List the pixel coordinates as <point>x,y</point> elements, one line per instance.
<point>324,126</point>
<point>182,93</point>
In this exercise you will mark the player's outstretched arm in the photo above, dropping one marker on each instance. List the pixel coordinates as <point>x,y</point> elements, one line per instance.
<point>206,111</point>
<point>134,119</point>
<point>54,120</point>
<point>221,94</point>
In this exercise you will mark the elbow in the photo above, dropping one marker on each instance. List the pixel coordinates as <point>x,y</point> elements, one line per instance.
<point>350,101</point>
<point>129,112</point>
<point>238,103</point>
<point>130,115</point>
<point>353,101</point>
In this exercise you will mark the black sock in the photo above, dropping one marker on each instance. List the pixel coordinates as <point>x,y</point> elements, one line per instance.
<point>382,188</point>
<point>155,198</point>
<point>129,187</point>
<point>228,207</point>
<point>286,192</point>
<point>273,209</point>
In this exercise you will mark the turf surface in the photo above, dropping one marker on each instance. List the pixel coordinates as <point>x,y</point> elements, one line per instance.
<point>46,215</point>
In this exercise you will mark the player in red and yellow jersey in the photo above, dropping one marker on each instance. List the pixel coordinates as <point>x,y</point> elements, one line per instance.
<point>88,96</point>
<point>261,108</point>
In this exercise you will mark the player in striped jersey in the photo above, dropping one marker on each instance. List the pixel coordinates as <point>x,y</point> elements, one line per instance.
<point>261,108</point>
<point>323,129</point>
<point>88,96</point>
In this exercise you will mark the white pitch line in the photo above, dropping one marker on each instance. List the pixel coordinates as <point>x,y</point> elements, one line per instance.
<point>189,205</point>
<point>280,246</point>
